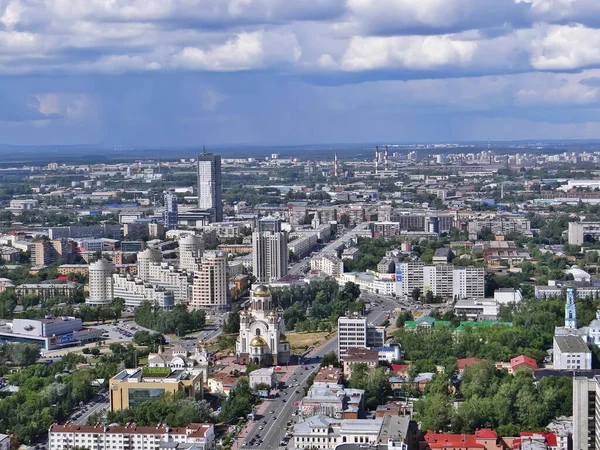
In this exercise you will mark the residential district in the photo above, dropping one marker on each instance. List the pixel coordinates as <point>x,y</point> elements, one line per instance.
<point>409,300</point>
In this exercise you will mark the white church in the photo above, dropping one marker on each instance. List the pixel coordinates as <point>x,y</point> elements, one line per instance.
<point>262,338</point>
<point>590,334</point>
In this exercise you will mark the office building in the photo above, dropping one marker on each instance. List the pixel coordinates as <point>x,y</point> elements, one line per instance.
<point>50,333</point>
<point>269,224</point>
<point>571,353</point>
<point>170,214</point>
<point>262,338</point>
<point>100,282</point>
<point>210,288</point>
<point>270,255</point>
<point>209,185</point>
<point>354,331</point>
<point>195,436</point>
<point>130,387</point>
<point>191,247</point>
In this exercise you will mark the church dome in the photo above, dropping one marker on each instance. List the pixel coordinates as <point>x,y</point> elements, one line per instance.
<point>261,291</point>
<point>282,338</point>
<point>200,343</point>
<point>273,314</point>
<point>258,342</point>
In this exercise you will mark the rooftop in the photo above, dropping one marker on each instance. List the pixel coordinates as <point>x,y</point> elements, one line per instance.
<point>571,344</point>
<point>192,430</point>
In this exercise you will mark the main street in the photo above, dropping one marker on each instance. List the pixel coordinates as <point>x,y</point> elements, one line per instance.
<point>282,407</point>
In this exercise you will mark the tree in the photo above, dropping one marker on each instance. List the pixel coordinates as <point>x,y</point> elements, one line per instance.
<point>330,359</point>
<point>403,317</point>
<point>416,294</point>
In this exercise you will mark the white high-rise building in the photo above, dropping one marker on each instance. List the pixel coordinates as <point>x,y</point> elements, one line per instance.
<point>191,247</point>
<point>210,288</point>
<point>170,214</point>
<point>468,282</point>
<point>209,185</point>
<point>356,332</point>
<point>101,282</point>
<point>145,259</point>
<point>269,255</point>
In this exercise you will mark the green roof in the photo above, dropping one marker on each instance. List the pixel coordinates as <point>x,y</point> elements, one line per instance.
<point>428,320</point>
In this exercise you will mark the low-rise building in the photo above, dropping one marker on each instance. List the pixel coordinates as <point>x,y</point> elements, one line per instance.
<point>504,296</point>
<point>571,352</point>
<point>356,355</point>
<point>332,400</point>
<point>263,376</point>
<point>47,290</point>
<point>481,309</point>
<point>130,387</point>
<point>131,436</point>
<point>324,433</point>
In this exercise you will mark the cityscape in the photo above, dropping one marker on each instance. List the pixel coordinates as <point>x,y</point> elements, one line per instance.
<point>299,225</point>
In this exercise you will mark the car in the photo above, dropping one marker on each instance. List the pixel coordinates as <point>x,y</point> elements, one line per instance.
<point>283,401</point>
<point>264,422</point>
<point>274,418</point>
<point>272,412</point>
<point>261,428</point>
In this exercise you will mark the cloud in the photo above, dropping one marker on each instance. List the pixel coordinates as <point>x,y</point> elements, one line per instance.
<point>69,106</point>
<point>566,48</point>
<point>413,52</point>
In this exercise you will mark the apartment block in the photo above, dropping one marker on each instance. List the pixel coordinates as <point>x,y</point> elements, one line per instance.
<point>200,436</point>
<point>210,286</point>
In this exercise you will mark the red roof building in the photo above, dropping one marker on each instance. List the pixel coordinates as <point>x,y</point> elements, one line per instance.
<point>527,439</point>
<point>523,361</point>
<point>466,362</point>
<point>484,439</point>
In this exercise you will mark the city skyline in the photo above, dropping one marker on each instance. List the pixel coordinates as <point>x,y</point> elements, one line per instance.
<point>265,72</point>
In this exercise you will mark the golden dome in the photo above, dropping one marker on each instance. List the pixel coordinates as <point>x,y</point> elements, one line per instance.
<point>279,309</point>
<point>273,314</point>
<point>282,338</point>
<point>243,312</point>
<point>200,343</point>
<point>261,291</point>
<point>250,309</point>
<point>258,342</point>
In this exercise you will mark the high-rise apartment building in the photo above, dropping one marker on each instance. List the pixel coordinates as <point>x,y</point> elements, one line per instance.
<point>100,282</point>
<point>269,255</point>
<point>355,332</point>
<point>48,252</point>
<point>210,288</point>
<point>191,247</point>
<point>586,414</point>
<point>170,214</point>
<point>209,185</point>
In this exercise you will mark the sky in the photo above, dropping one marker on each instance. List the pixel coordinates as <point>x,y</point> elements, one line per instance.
<point>289,72</point>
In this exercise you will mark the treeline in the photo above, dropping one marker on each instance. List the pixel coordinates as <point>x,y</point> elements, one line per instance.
<point>173,410</point>
<point>374,381</point>
<point>491,398</point>
<point>324,300</point>
<point>17,354</point>
<point>48,394</point>
<point>178,320</point>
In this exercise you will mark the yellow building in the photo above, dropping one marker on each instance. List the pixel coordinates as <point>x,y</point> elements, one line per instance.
<point>130,387</point>
<point>75,269</point>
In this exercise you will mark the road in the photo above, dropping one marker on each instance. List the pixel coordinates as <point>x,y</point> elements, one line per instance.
<point>283,407</point>
<point>80,416</point>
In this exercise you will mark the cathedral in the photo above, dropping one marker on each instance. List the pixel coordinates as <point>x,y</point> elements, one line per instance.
<point>262,338</point>
<point>590,333</point>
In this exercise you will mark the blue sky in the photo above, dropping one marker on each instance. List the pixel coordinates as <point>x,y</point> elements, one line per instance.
<point>185,72</point>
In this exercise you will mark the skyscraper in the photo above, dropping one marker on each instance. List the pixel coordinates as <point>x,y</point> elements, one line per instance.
<point>269,255</point>
<point>170,214</point>
<point>191,247</point>
<point>209,185</point>
<point>210,282</point>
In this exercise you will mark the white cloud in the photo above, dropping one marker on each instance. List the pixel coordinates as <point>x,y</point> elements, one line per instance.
<point>566,48</point>
<point>244,52</point>
<point>73,107</point>
<point>411,52</point>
